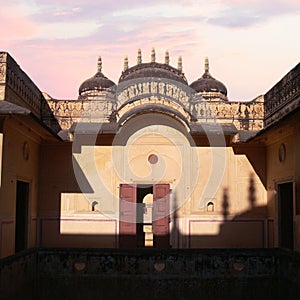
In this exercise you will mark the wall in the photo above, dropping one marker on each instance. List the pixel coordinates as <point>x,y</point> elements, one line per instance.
<point>150,273</point>
<point>18,276</point>
<point>232,179</point>
<point>65,215</point>
<point>239,199</point>
<point>20,159</point>
<point>297,185</point>
<point>287,170</point>
<point>16,86</point>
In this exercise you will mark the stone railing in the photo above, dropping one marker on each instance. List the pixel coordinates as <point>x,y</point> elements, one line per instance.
<point>68,112</point>
<point>244,115</point>
<point>19,88</point>
<point>283,97</point>
<point>69,273</point>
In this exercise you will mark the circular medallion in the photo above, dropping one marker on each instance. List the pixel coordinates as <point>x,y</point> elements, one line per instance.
<point>153,159</point>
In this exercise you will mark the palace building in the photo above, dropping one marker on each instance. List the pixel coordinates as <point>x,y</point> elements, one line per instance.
<point>149,161</point>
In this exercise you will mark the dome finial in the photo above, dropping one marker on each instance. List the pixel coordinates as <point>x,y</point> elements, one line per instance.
<point>125,63</point>
<point>179,63</point>
<point>139,57</point>
<point>167,57</point>
<point>99,64</point>
<point>206,65</point>
<point>153,55</point>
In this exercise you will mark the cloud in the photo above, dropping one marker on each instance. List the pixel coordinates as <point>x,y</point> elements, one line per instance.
<point>50,11</point>
<point>114,21</point>
<point>66,37</point>
<point>242,14</point>
<point>111,41</point>
<point>17,27</point>
<point>227,13</point>
<point>70,30</point>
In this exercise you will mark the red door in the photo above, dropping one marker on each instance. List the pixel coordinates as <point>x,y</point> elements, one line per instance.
<point>127,221</point>
<point>161,211</point>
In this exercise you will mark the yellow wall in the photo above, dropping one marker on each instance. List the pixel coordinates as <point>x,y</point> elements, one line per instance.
<point>239,200</point>
<point>283,171</point>
<point>65,215</point>
<point>16,167</point>
<point>67,219</point>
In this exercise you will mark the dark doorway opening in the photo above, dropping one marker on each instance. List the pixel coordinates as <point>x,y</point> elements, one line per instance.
<point>21,224</point>
<point>286,215</point>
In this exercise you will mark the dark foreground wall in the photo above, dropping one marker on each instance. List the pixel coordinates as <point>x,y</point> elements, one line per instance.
<point>151,274</point>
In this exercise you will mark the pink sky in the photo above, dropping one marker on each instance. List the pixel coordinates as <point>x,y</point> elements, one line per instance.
<point>250,44</point>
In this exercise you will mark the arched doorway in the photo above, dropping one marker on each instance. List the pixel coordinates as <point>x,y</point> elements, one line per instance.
<point>152,151</point>
<point>147,220</point>
<point>144,216</point>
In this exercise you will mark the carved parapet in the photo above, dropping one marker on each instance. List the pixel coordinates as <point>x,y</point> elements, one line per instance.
<point>2,68</point>
<point>145,88</point>
<point>283,97</point>
<point>244,115</point>
<point>213,95</point>
<point>68,112</point>
<point>19,88</point>
<point>153,104</point>
<point>48,118</point>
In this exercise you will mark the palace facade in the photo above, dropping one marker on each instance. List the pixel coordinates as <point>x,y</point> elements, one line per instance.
<point>150,161</point>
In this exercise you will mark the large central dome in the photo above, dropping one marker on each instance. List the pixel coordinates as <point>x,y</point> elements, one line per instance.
<point>153,69</point>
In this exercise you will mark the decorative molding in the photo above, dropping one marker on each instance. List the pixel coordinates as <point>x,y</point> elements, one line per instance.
<point>284,97</point>
<point>244,115</point>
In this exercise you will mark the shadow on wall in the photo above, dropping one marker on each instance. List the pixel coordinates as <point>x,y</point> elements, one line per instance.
<point>256,157</point>
<point>247,229</point>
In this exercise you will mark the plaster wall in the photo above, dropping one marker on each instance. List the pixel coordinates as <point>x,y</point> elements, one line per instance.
<point>282,171</point>
<point>20,159</point>
<point>197,176</point>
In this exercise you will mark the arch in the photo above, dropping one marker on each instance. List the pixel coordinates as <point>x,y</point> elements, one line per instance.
<point>164,92</point>
<point>154,108</point>
<point>148,205</point>
<point>141,119</point>
<point>155,103</point>
<point>210,207</point>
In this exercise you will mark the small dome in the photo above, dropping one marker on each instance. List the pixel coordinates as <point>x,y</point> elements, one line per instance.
<point>152,69</point>
<point>208,84</point>
<point>98,82</point>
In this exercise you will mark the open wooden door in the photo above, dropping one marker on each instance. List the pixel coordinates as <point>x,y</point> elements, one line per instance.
<point>127,223</point>
<point>161,212</point>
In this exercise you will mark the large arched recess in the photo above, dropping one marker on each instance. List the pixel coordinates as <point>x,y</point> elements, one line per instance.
<point>143,131</point>
<point>139,118</point>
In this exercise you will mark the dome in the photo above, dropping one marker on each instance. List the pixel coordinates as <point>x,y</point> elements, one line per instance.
<point>207,83</point>
<point>153,69</point>
<point>98,82</point>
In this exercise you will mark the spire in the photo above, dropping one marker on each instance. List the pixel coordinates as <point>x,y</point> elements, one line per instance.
<point>206,65</point>
<point>167,57</point>
<point>99,64</point>
<point>125,63</point>
<point>139,57</point>
<point>180,63</point>
<point>153,55</point>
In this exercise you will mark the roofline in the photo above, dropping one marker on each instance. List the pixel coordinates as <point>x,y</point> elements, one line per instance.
<point>21,111</point>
